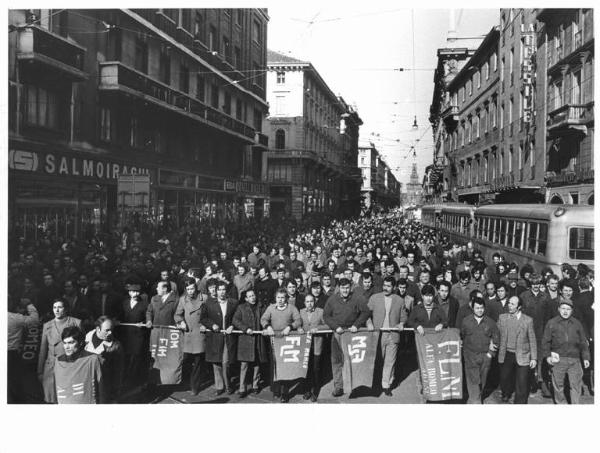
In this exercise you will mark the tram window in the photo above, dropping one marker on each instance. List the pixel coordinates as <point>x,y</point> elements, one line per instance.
<point>542,239</point>
<point>518,235</point>
<point>509,233</point>
<point>493,231</point>
<point>502,236</point>
<point>488,229</point>
<point>532,237</point>
<point>581,243</point>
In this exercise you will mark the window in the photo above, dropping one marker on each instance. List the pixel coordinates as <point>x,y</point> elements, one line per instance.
<point>214,96</point>
<point>239,16</point>
<point>184,78</point>
<point>520,156</point>
<point>226,48</point>
<point>280,106</point>
<point>106,124</point>
<point>558,94</point>
<point>485,116</point>
<point>519,228</point>
<point>279,172</point>
<point>280,139</point>
<point>239,110</point>
<point>510,112</point>
<point>256,35</point>
<point>501,163</point>
<point>227,103</point>
<point>134,132</point>
<point>581,243</point>
<point>575,87</point>
<point>186,19</point>
<point>141,56</point>
<point>462,93</point>
<point>257,120</point>
<point>165,66</point>
<point>200,90</point>
<point>494,62</point>
<point>510,158</point>
<point>509,232</point>
<point>485,169</point>
<point>502,231</point>
<point>486,71</point>
<point>493,113</point>
<point>212,39</point>
<point>542,239</point>
<point>478,79</point>
<point>198,28</point>
<point>257,74</point>
<point>237,56</point>
<point>502,70</point>
<point>511,57</point>
<point>470,87</point>
<point>501,116</point>
<point>280,77</point>
<point>41,107</point>
<point>476,125</point>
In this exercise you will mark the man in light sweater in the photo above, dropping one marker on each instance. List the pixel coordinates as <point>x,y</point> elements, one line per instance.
<point>280,317</point>
<point>388,311</point>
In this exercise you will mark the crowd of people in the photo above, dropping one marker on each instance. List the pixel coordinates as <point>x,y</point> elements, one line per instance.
<point>523,329</point>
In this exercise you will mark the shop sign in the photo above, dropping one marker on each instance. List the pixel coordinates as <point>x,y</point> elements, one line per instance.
<point>62,165</point>
<point>248,187</point>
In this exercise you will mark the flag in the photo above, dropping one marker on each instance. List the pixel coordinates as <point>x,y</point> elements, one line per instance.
<point>166,350</point>
<point>29,360</point>
<point>290,356</point>
<point>359,351</point>
<point>440,364</point>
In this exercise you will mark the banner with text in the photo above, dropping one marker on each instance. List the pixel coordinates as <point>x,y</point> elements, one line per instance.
<point>290,355</point>
<point>440,364</point>
<point>166,349</point>
<point>359,350</point>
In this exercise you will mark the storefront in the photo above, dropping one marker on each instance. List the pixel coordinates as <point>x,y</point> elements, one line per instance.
<point>183,197</point>
<point>63,193</point>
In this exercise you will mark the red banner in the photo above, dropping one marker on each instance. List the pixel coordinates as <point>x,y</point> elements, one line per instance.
<point>290,355</point>
<point>440,364</point>
<point>359,349</point>
<point>166,350</point>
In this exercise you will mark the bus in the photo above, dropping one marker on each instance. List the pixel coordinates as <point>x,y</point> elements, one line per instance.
<point>536,234</point>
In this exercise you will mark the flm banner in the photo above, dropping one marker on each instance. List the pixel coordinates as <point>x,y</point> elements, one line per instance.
<point>359,350</point>
<point>290,356</point>
<point>166,350</point>
<point>440,364</point>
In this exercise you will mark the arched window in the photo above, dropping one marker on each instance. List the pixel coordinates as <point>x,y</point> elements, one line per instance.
<point>591,199</point>
<point>556,200</point>
<point>280,139</point>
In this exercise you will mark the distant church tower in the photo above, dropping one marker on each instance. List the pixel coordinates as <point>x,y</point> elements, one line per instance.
<point>414,189</point>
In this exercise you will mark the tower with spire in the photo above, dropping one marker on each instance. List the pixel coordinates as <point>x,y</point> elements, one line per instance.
<point>414,188</point>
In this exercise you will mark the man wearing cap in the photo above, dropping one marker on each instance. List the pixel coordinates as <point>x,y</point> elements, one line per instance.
<point>564,345</point>
<point>517,352</point>
<point>134,338</point>
<point>514,289</point>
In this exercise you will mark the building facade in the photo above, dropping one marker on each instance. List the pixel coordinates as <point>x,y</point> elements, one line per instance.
<point>379,189</point>
<point>170,93</point>
<point>437,176</point>
<point>565,68</point>
<point>311,164</point>
<point>517,124</point>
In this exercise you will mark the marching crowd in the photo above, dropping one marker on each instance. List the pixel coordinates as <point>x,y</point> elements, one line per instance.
<point>523,330</point>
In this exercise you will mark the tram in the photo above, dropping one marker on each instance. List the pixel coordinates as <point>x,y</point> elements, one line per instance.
<point>536,234</point>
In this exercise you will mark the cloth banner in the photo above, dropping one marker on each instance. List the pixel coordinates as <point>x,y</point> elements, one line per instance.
<point>32,337</point>
<point>166,350</point>
<point>359,350</point>
<point>290,356</point>
<point>76,380</point>
<point>440,364</point>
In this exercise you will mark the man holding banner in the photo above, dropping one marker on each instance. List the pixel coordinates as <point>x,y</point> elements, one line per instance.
<point>281,318</point>
<point>343,310</point>
<point>388,311</point>
<point>221,346</point>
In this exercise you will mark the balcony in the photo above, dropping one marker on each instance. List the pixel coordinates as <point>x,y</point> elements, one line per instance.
<point>579,175</point>
<point>50,53</point>
<point>450,114</point>
<point>570,116</point>
<point>261,139</point>
<point>114,76</point>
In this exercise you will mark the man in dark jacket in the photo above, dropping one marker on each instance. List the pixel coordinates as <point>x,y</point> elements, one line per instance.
<point>427,315</point>
<point>481,338</point>
<point>217,317</point>
<point>343,310</point>
<point>251,348</point>
<point>564,346</point>
<point>446,302</point>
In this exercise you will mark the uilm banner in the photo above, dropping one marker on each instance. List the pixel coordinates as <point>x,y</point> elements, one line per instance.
<point>359,350</point>
<point>166,349</point>
<point>440,364</point>
<point>291,354</point>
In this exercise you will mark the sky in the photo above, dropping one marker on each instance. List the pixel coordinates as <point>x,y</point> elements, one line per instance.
<point>355,48</point>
